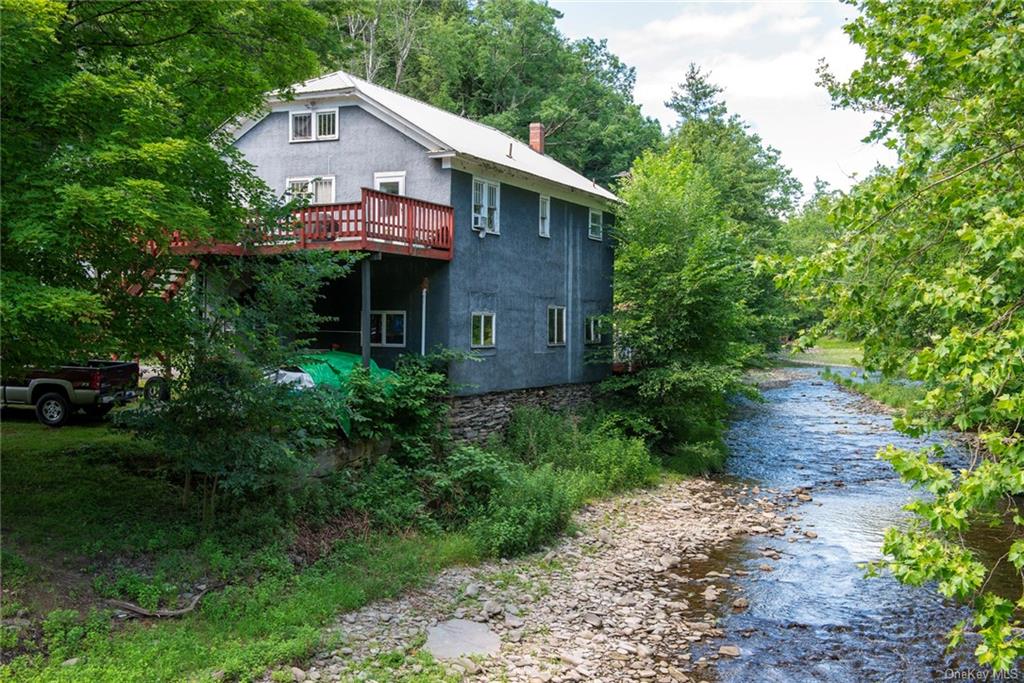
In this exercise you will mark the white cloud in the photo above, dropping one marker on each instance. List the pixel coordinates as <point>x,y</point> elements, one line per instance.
<point>765,56</point>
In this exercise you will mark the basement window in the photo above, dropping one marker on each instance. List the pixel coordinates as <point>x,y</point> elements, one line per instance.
<point>556,325</point>
<point>482,330</point>
<point>387,328</point>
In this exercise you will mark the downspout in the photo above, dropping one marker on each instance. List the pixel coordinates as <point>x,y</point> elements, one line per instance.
<point>423,316</point>
<point>569,232</point>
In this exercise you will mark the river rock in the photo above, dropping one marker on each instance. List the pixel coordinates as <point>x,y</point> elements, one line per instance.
<point>729,651</point>
<point>461,638</point>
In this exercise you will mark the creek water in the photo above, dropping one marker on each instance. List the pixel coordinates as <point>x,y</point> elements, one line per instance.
<point>816,617</point>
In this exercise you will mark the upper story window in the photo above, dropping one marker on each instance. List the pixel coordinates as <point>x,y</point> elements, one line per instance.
<point>306,126</point>
<point>486,200</point>
<point>544,217</point>
<point>315,190</point>
<point>556,325</point>
<point>391,182</point>
<point>482,330</point>
<point>592,330</point>
<point>387,328</point>
<point>596,231</point>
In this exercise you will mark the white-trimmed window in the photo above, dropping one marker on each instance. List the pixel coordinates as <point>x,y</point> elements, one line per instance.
<point>544,217</point>
<point>306,126</point>
<point>486,203</point>
<point>592,330</point>
<point>482,330</point>
<point>392,182</point>
<point>556,325</point>
<point>315,189</point>
<point>596,231</point>
<point>387,328</point>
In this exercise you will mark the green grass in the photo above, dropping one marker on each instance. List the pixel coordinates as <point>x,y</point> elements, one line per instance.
<point>897,395</point>
<point>95,493</point>
<point>110,505</point>
<point>830,351</point>
<point>243,630</point>
<point>73,489</point>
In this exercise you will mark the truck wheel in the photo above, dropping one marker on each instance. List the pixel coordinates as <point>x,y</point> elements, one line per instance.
<point>52,409</point>
<point>157,389</point>
<point>98,412</point>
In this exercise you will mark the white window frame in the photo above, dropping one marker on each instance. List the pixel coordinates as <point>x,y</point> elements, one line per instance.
<point>473,343</point>
<point>544,217</point>
<point>558,332</point>
<point>384,315</point>
<point>597,235</point>
<point>390,177</point>
<point>592,330</point>
<point>310,189</point>
<point>494,229</point>
<point>314,124</point>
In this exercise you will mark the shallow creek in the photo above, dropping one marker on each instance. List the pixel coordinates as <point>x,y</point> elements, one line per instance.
<point>814,616</point>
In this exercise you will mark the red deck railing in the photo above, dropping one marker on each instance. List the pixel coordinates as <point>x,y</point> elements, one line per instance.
<point>378,222</point>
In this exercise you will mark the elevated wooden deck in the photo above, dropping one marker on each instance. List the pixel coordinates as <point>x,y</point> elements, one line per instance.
<point>379,222</point>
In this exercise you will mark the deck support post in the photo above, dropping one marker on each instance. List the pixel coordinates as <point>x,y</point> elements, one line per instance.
<point>364,313</point>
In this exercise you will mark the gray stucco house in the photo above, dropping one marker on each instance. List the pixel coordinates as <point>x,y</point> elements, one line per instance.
<point>480,242</point>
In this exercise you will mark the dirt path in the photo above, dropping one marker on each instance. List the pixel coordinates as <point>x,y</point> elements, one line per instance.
<point>621,601</point>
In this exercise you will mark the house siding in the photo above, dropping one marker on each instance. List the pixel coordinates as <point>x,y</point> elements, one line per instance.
<point>517,275</point>
<point>365,145</point>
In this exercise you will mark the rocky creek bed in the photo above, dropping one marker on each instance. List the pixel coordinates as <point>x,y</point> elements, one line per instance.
<point>756,575</point>
<point>625,598</point>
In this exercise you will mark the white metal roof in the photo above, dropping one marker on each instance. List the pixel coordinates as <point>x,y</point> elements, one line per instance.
<point>455,133</point>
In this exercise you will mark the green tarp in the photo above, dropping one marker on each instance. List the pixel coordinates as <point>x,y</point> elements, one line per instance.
<point>333,368</point>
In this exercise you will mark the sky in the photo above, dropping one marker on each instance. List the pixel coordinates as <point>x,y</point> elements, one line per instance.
<point>764,55</point>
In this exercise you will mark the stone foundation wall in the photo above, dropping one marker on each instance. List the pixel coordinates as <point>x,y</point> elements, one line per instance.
<point>474,418</point>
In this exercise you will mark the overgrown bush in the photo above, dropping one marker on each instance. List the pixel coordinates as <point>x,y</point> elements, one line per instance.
<point>530,510</point>
<point>229,430</point>
<point>469,479</point>
<point>590,444</point>
<point>409,409</point>
<point>390,495</point>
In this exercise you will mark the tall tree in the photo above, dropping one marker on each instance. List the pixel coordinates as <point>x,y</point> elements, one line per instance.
<point>929,264</point>
<point>753,187</point>
<point>682,283</point>
<point>110,111</point>
<point>502,62</point>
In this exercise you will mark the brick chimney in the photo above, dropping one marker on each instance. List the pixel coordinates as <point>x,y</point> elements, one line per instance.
<point>537,137</point>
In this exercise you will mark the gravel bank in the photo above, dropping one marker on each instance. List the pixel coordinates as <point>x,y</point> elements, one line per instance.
<point>622,600</point>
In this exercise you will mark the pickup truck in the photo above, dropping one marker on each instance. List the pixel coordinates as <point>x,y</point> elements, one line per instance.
<point>95,387</point>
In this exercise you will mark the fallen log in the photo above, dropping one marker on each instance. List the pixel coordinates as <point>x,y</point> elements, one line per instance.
<point>161,613</point>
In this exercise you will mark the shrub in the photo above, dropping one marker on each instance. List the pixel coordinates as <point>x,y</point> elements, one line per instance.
<point>536,436</point>
<point>389,494</point>
<point>409,409</point>
<point>696,458</point>
<point>470,478</point>
<point>64,632</point>
<point>531,510</point>
<point>230,430</point>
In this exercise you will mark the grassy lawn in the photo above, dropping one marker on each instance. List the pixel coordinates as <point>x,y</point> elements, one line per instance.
<point>89,514</point>
<point>829,351</point>
<point>899,395</point>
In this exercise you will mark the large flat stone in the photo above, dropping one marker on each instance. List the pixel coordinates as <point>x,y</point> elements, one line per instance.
<point>461,638</point>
